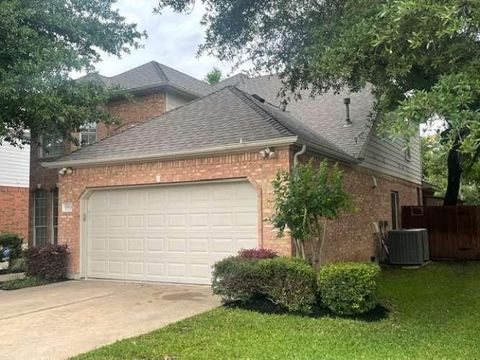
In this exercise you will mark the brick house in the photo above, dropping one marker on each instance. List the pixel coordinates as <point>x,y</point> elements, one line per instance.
<point>14,168</point>
<point>164,200</point>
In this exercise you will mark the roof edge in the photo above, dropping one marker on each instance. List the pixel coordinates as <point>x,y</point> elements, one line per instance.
<point>175,154</point>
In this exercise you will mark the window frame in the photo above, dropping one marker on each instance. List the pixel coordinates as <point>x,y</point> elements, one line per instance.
<point>36,212</point>
<point>59,145</point>
<point>54,216</point>
<point>88,130</point>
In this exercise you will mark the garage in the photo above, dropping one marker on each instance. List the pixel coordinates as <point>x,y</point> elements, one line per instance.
<point>168,233</point>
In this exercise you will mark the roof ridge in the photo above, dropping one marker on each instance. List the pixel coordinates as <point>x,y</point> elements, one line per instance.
<point>251,102</point>
<point>160,71</point>
<point>159,65</point>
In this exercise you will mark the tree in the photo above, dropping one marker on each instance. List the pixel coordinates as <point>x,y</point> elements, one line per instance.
<point>42,43</point>
<point>214,76</point>
<point>434,163</point>
<point>305,199</point>
<point>421,56</point>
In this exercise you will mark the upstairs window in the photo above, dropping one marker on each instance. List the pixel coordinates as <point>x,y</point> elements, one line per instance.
<point>52,145</point>
<point>88,134</point>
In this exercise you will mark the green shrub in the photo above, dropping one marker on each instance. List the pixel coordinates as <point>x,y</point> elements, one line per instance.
<point>16,284</point>
<point>290,283</point>
<point>13,242</point>
<point>237,279</point>
<point>47,262</point>
<point>17,265</point>
<point>349,288</point>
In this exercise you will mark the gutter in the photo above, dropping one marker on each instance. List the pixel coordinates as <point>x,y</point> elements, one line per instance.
<point>174,154</point>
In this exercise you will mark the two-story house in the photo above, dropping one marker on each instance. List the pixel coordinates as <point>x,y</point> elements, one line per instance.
<point>191,183</point>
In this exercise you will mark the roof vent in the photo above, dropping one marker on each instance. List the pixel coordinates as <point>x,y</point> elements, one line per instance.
<point>259,98</point>
<point>348,122</point>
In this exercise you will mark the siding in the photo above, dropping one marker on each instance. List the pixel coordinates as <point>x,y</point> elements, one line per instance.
<point>388,158</point>
<point>14,165</point>
<point>175,100</point>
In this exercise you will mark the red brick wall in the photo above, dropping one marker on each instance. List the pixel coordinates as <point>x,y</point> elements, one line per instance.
<point>132,112</point>
<point>14,210</point>
<point>351,237</point>
<point>260,173</point>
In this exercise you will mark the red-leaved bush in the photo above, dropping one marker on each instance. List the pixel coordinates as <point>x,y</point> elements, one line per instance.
<point>47,262</point>
<point>257,254</point>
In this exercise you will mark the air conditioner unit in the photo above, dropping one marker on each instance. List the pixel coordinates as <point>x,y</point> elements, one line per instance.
<point>408,246</point>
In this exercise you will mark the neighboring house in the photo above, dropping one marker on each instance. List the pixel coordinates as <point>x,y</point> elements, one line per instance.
<point>166,199</point>
<point>14,167</point>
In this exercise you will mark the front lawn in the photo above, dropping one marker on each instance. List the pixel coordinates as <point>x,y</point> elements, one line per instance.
<point>431,313</point>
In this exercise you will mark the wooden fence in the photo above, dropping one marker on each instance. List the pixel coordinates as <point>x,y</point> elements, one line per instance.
<point>453,231</point>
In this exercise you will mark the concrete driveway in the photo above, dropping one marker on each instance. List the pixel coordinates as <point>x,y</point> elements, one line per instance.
<point>64,319</point>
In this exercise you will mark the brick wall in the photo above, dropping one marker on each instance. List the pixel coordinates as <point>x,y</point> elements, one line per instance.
<point>14,210</point>
<point>131,112</point>
<point>351,237</point>
<point>260,172</point>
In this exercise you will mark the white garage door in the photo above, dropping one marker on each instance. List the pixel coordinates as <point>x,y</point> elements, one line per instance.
<point>169,233</point>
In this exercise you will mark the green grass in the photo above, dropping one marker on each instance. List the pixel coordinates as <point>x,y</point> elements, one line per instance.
<point>26,282</point>
<point>433,313</point>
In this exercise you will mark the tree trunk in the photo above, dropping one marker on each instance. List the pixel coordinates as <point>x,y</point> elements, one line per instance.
<point>454,175</point>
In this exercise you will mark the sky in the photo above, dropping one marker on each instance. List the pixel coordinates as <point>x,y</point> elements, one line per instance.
<point>173,40</point>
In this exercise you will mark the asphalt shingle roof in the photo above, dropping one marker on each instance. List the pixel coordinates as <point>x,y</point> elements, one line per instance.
<point>152,74</point>
<point>228,116</point>
<point>325,113</point>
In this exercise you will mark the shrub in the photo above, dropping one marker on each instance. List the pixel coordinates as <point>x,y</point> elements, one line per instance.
<point>257,253</point>
<point>288,282</point>
<point>15,284</point>
<point>349,288</point>
<point>13,242</point>
<point>291,283</point>
<point>237,279</point>
<point>17,265</point>
<point>48,262</point>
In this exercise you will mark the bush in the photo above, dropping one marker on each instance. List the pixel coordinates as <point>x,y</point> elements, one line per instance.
<point>48,262</point>
<point>349,288</point>
<point>237,279</point>
<point>16,284</point>
<point>288,282</point>
<point>291,283</point>
<point>17,265</point>
<point>13,242</point>
<point>257,254</point>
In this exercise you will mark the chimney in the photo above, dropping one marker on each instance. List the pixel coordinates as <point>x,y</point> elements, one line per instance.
<point>348,122</point>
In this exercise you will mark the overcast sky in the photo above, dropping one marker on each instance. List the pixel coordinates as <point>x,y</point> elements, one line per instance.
<point>173,40</point>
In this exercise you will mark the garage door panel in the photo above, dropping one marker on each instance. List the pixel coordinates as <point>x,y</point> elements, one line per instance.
<point>155,244</point>
<point>176,245</point>
<point>155,220</point>
<point>169,233</point>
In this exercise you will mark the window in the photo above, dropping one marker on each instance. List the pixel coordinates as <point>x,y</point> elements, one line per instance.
<point>40,217</point>
<point>55,216</point>
<point>52,145</point>
<point>88,134</point>
<point>394,204</point>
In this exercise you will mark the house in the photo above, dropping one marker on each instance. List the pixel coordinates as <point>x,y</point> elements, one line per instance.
<point>14,174</point>
<point>165,199</point>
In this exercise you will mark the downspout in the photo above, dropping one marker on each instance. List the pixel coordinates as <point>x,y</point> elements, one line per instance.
<point>297,154</point>
<point>298,248</point>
